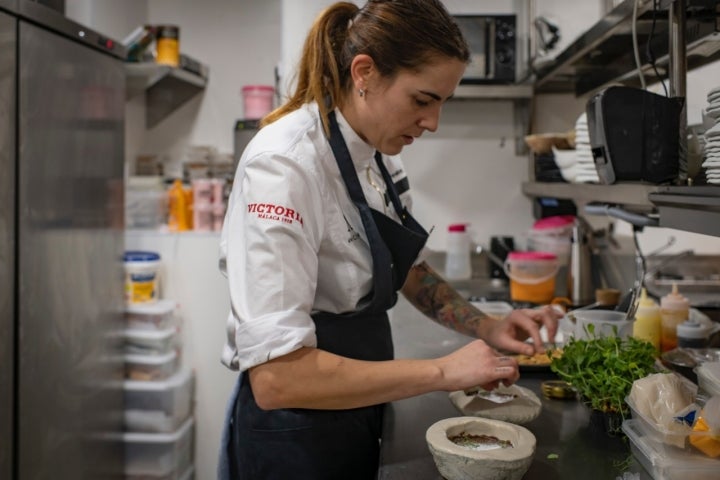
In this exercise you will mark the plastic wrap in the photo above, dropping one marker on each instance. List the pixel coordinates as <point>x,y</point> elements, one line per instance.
<point>659,399</point>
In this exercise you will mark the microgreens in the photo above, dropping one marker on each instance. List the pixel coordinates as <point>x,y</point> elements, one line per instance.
<point>603,368</point>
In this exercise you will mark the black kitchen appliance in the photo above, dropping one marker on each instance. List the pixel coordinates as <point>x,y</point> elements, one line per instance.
<point>493,47</point>
<point>634,135</point>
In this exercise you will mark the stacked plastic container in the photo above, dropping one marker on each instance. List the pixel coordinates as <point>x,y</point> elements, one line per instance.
<point>159,422</point>
<point>678,451</point>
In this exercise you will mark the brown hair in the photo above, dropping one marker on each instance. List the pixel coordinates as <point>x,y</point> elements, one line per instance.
<point>397,34</point>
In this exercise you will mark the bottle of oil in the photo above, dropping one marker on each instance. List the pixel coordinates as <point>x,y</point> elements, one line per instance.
<point>648,321</point>
<point>178,220</point>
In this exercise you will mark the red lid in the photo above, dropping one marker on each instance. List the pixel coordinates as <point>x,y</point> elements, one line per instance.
<point>456,227</point>
<point>266,88</point>
<point>531,256</point>
<point>556,221</point>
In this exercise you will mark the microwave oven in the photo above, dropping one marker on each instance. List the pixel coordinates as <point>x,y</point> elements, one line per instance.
<point>493,47</point>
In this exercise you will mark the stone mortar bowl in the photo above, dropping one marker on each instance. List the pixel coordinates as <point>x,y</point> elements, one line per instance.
<point>456,462</point>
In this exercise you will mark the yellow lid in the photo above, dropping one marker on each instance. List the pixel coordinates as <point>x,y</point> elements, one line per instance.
<point>645,301</point>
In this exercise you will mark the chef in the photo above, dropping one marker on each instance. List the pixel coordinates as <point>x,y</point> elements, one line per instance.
<point>319,239</point>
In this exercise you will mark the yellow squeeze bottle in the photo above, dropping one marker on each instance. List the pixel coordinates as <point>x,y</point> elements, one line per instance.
<point>648,321</point>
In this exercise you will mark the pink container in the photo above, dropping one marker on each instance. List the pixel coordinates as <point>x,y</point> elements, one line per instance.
<point>257,100</point>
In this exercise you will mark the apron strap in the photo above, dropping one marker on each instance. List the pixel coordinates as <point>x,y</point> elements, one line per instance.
<point>384,295</point>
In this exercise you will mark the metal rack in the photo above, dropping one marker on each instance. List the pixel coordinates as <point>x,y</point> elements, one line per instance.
<point>166,88</point>
<point>691,27</point>
<point>603,54</point>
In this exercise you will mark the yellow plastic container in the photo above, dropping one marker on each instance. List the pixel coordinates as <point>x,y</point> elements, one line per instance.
<point>168,45</point>
<point>532,276</point>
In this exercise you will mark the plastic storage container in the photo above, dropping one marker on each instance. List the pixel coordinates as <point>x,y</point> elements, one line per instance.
<point>151,367</point>
<point>554,235</point>
<point>532,276</point>
<point>150,342</point>
<point>665,437</point>
<point>674,310</point>
<point>257,101</point>
<point>156,316</point>
<point>145,202</point>
<point>142,277</point>
<point>708,375</point>
<point>457,259</point>
<point>160,406</point>
<point>668,465</point>
<point>159,455</point>
<point>693,334</point>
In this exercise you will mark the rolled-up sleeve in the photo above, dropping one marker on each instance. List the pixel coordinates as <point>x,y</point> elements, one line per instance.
<point>270,241</point>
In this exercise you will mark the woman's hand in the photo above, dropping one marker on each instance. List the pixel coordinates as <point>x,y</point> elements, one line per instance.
<point>510,333</point>
<point>477,364</point>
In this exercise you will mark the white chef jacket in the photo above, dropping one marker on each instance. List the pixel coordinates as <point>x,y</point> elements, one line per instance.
<point>293,242</point>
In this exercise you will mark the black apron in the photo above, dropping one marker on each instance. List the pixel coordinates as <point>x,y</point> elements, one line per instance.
<point>307,444</point>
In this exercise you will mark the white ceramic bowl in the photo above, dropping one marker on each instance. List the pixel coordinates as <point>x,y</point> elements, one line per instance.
<point>456,462</point>
<point>524,408</point>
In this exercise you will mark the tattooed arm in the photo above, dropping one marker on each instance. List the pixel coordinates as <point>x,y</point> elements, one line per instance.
<point>434,297</point>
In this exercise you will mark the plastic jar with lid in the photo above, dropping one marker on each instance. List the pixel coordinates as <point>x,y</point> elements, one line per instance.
<point>457,259</point>
<point>257,101</point>
<point>167,45</point>
<point>142,272</point>
<point>532,276</point>
<point>693,334</point>
<point>648,322</point>
<point>674,310</point>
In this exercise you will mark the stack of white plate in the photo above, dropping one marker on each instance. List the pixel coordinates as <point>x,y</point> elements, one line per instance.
<point>578,166</point>
<point>711,156</point>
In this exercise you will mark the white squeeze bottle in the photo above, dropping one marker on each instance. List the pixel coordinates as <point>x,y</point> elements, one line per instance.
<point>457,260</point>
<point>674,310</point>
<point>648,321</point>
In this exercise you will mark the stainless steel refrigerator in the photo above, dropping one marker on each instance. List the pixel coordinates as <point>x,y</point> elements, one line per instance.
<point>61,244</point>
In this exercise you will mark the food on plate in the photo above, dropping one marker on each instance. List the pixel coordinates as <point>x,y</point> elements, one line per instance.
<point>479,442</point>
<point>539,358</point>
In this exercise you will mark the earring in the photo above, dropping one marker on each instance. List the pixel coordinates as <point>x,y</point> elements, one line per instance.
<point>361,92</point>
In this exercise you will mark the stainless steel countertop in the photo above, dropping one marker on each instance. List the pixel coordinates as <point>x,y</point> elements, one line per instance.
<point>563,427</point>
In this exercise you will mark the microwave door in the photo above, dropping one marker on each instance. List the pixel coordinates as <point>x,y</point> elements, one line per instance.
<point>475,31</point>
<point>490,36</point>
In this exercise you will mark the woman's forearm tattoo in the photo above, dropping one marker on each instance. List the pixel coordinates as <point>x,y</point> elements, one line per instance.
<point>439,301</point>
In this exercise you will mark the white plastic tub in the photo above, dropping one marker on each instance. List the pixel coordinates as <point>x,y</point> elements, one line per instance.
<point>159,455</point>
<point>159,406</point>
<point>142,277</point>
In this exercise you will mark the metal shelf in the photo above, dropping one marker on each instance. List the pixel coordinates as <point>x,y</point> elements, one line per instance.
<point>604,54</point>
<point>166,88</point>
<point>693,209</point>
<point>631,194</point>
<point>466,91</point>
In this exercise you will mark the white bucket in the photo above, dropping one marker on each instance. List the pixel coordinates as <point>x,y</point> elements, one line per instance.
<point>142,272</point>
